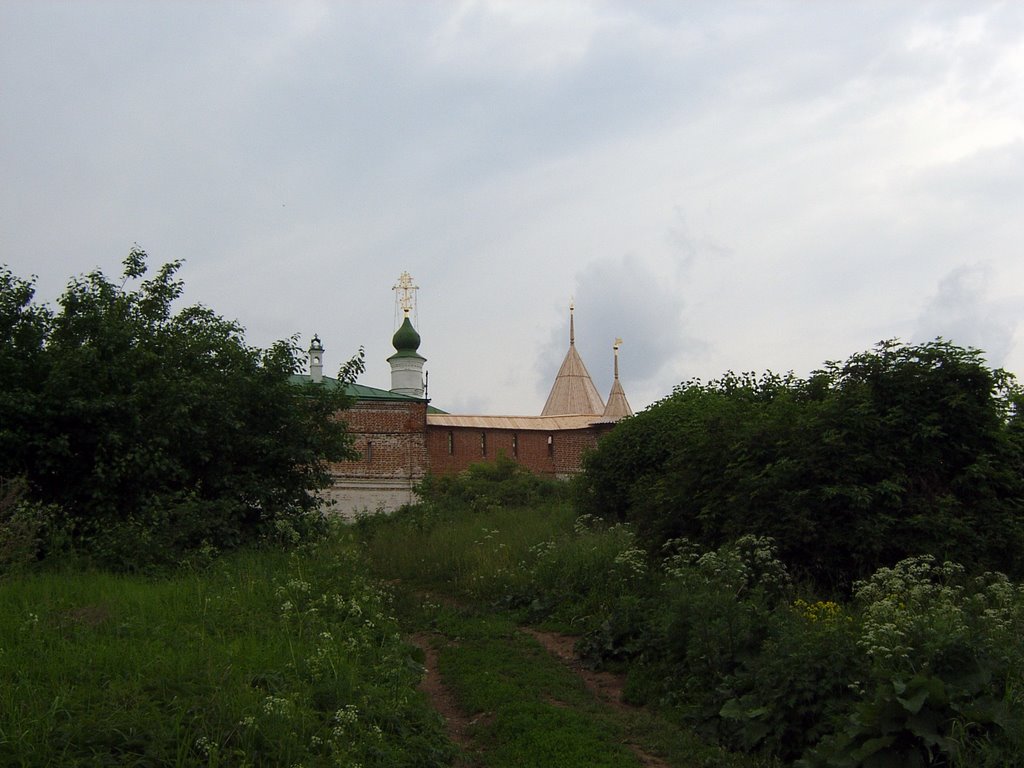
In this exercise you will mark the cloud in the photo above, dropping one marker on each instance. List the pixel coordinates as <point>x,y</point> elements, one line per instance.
<point>963,311</point>
<point>642,301</point>
<point>724,185</point>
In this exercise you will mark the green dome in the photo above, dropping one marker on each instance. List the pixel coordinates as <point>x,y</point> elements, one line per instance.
<point>406,339</point>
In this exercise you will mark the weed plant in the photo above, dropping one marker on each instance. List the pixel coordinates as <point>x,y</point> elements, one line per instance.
<point>264,658</point>
<point>924,666</point>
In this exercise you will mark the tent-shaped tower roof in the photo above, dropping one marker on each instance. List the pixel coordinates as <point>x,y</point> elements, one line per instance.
<point>618,405</point>
<point>573,391</point>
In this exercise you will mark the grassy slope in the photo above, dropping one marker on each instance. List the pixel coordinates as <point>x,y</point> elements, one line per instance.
<point>265,659</point>
<point>531,710</point>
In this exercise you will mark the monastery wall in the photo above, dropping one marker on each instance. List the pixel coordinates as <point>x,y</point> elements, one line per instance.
<point>398,444</point>
<point>390,438</point>
<point>555,452</point>
<point>351,496</point>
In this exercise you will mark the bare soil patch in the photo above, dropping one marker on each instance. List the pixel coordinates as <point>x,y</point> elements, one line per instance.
<point>457,725</point>
<point>89,616</point>
<point>606,686</point>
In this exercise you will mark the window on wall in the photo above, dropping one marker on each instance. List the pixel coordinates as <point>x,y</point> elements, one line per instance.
<point>483,443</point>
<point>551,445</point>
<point>451,442</point>
<point>369,451</point>
<point>515,445</point>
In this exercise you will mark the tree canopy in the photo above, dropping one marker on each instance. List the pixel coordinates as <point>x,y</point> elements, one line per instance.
<point>147,430</point>
<point>902,450</point>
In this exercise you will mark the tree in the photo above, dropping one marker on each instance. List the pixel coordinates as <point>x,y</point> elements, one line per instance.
<point>153,430</point>
<point>899,451</point>
<point>23,328</point>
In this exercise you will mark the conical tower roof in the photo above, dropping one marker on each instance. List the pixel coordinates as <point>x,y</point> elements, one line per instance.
<point>573,391</point>
<point>618,405</point>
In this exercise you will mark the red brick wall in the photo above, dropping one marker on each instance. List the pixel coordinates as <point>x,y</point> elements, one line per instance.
<point>395,443</point>
<point>390,437</point>
<point>453,449</point>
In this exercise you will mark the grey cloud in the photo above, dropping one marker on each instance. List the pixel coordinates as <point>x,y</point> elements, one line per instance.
<point>300,156</point>
<point>638,301</point>
<point>962,311</point>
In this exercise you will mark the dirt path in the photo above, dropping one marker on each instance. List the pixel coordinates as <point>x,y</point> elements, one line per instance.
<point>605,686</point>
<point>457,725</point>
<point>440,696</point>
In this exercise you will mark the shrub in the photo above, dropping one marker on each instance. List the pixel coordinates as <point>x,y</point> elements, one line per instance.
<point>944,671</point>
<point>154,431</point>
<point>786,697</point>
<point>900,451</point>
<point>501,483</point>
<point>690,634</point>
<point>27,528</point>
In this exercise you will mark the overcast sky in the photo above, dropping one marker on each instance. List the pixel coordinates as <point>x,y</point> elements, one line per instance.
<point>725,185</point>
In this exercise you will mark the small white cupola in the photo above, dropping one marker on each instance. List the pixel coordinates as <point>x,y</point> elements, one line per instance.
<point>316,360</point>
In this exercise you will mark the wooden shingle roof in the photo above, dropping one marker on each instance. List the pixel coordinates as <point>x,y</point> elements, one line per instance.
<point>573,391</point>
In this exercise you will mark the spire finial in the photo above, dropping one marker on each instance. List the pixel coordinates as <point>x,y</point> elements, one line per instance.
<point>572,323</point>
<point>615,347</point>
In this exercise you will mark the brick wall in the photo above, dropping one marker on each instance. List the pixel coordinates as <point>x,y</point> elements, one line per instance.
<point>390,438</point>
<point>555,452</point>
<point>397,448</point>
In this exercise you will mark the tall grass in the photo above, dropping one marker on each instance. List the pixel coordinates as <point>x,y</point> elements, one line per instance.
<point>266,658</point>
<point>429,545</point>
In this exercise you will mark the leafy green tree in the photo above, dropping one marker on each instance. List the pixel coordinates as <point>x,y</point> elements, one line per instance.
<point>899,451</point>
<point>23,328</point>
<point>157,430</point>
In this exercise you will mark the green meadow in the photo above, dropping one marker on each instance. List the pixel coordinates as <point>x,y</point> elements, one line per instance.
<point>268,657</point>
<point>263,658</point>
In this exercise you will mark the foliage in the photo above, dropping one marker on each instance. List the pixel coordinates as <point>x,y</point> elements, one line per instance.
<point>153,430</point>
<point>265,658</point>
<point>525,708</point>
<point>788,695</point>
<point>710,615</point>
<point>480,556</point>
<point>26,527</point>
<point>501,483</point>
<point>900,451</point>
<point>923,664</point>
<point>944,666</point>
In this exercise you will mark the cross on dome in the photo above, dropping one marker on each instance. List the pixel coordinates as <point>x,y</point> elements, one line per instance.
<point>405,292</point>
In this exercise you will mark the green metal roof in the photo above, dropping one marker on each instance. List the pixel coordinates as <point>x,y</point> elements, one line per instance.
<point>360,391</point>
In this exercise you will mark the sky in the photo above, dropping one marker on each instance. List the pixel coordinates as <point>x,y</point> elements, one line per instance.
<point>741,186</point>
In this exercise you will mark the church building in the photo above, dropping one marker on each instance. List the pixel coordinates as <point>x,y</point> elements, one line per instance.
<point>401,437</point>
